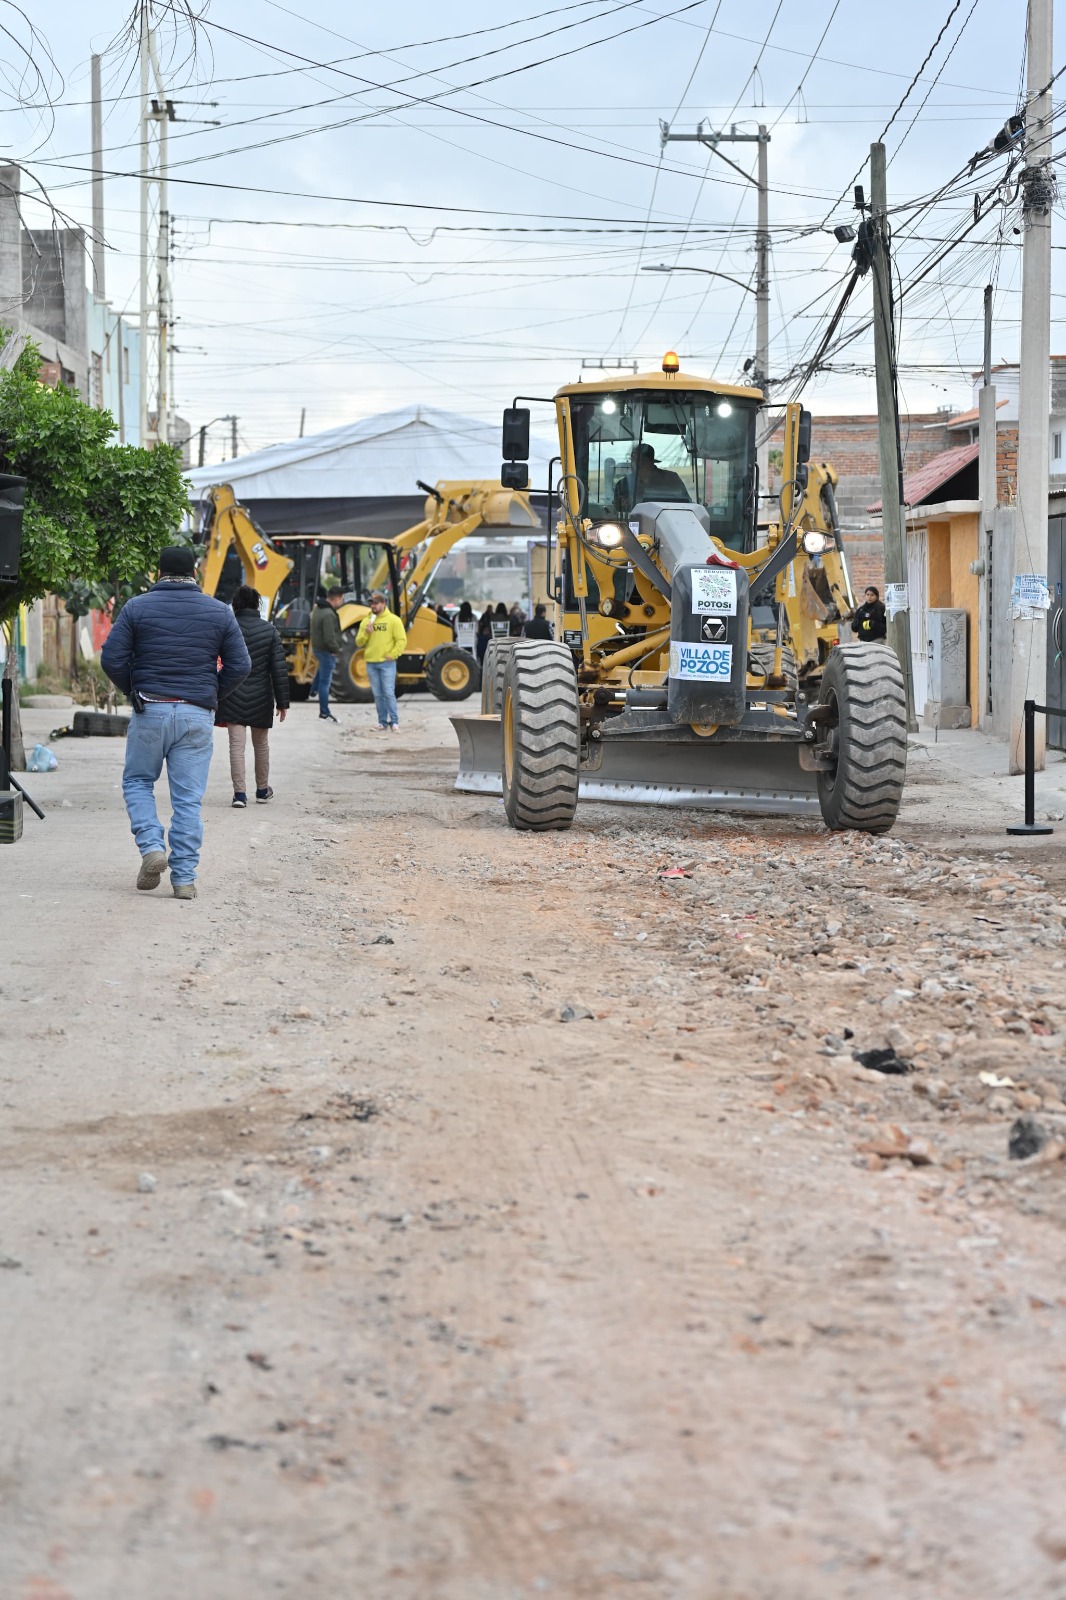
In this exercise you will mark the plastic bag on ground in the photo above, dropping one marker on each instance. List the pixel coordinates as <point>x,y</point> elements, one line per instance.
<point>41,760</point>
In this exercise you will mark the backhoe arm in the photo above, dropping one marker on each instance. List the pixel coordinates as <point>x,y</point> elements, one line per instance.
<point>230,525</point>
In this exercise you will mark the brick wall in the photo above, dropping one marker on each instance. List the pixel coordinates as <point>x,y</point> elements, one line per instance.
<point>1006,465</point>
<point>866,560</point>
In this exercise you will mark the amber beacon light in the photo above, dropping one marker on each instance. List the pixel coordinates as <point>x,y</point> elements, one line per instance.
<point>670,362</point>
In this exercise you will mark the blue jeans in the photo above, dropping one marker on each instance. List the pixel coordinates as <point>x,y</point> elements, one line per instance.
<point>382,675</point>
<point>183,737</point>
<point>322,679</point>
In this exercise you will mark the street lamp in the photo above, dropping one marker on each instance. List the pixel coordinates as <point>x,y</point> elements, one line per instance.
<point>707,273</point>
<point>203,437</point>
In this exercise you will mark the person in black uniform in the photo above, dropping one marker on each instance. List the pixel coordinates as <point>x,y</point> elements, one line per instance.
<point>538,626</point>
<point>868,622</point>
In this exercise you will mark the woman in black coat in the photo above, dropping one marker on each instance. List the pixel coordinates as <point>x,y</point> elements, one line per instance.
<point>251,704</point>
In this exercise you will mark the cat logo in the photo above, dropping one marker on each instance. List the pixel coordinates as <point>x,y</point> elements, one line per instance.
<point>713,629</point>
<point>259,555</point>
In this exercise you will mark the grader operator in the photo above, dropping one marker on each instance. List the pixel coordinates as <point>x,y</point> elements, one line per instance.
<point>694,664</point>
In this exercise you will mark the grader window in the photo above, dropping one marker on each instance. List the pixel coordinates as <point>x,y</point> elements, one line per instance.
<point>683,446</point>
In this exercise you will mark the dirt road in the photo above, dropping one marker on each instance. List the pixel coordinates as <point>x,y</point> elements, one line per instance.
<point>335,1263</point>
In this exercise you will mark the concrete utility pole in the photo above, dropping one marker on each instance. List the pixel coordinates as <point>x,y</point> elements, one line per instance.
<point>156,312</point>
<point>1029,620</point>
<point>143,310</point>
<point>761,366</point>
<point>892,529</point>
<point>233,438</point>
<point>989,492</point>
<point>98,183</point>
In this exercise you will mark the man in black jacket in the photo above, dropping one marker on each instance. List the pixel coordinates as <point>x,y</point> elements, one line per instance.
<point>868,622</point>
<point>538,626</point>
<point>163,651</point>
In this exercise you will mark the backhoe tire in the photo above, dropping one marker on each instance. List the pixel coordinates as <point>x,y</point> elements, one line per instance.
<point>761,659</point>
<point>351,681</point>
<point>862,687</point>
<point>451,673</point>
<point>541,737</point>
<point>492,670</point>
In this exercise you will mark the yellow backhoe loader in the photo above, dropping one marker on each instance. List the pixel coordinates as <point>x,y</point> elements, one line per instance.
<point>403,567</point>
<point>693,664</point>
<point>236,551</point>
<point>289,569</point>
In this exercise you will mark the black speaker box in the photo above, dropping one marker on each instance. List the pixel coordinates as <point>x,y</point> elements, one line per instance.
<point>12,504</point>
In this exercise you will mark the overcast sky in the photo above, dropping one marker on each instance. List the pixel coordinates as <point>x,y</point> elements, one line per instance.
<point>387,216</point>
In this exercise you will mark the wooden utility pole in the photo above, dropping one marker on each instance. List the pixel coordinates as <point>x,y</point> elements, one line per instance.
<point>1028,614</point>
<point>897,601</point>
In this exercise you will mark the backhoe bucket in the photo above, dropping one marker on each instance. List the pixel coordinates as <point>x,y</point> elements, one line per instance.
<point>760,777</point>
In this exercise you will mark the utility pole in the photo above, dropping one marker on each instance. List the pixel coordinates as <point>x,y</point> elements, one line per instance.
<point>156,313</point>
<point>989,494</point>
<point>142,439</point>
<point>1029,567</point>
<point>711,140</point>
<point>233,438</point>
<point>98,183</point>
<point>303,419</point>
<point>121,380</point>
<point>892,529</point>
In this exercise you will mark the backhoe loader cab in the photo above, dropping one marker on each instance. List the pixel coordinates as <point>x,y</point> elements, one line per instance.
<point>691,664</point>
<point>356,566</point>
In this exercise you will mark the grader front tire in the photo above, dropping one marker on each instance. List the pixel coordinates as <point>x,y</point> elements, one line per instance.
<point>541,737</point>
<point>866,720</point>
<point>492,670</point>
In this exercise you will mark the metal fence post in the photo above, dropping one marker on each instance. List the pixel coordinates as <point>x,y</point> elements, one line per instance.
<point>1030,825</point>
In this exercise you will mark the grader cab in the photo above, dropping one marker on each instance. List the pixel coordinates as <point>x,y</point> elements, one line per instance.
<point>696,659</point>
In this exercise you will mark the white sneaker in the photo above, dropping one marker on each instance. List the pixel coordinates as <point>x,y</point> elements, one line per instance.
<point>394,727</point>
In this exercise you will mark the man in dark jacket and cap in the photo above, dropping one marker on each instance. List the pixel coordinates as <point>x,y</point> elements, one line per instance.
<point>163,651</point>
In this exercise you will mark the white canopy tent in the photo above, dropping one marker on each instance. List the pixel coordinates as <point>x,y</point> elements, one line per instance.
<point>365,472</point>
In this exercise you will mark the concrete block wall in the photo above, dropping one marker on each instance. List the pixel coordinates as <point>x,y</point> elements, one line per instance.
<point>10,245</point>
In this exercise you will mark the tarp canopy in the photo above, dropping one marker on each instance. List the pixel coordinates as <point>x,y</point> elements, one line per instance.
<point>362,477</point>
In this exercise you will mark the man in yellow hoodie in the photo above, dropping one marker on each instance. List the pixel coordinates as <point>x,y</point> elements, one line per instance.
<point>382,640</point>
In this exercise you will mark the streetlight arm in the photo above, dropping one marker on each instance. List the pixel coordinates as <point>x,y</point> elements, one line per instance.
<point>707,273</point>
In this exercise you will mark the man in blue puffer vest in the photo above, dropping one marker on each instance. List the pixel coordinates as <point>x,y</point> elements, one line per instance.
<point>163,652</point>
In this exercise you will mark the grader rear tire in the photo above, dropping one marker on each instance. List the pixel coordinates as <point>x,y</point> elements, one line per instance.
<point>541,737</point>
<point>862,687</point>
<point>492,670</point>
<point>451,673</point>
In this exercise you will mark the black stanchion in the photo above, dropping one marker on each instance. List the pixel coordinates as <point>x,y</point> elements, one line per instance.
<point>1030,825</point>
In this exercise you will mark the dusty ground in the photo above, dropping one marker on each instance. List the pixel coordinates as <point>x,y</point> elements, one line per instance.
<point>429,1293</point>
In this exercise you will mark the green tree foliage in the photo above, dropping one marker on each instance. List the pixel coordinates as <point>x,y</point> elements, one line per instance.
<point>97,515</point>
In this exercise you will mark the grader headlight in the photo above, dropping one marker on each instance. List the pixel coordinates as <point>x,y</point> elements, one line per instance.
<point>608,535</point>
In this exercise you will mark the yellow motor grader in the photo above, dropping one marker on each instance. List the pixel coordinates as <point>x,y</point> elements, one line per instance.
<point>696,659</point>
<point>289,569</point>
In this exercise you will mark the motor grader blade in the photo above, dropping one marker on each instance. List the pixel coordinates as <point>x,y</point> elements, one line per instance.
<point>753,777</point>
